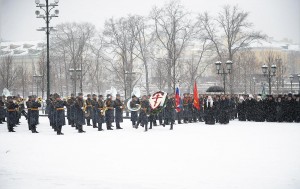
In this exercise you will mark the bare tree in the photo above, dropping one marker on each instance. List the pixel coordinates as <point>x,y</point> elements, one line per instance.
<point>235,29</point>
<point>8,72</point>
<point>174,30</point>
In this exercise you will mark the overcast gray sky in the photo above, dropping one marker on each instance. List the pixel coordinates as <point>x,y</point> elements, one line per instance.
<point>277,18</point>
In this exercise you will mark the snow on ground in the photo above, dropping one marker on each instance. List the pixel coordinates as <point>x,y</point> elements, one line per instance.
<point>241,155</point>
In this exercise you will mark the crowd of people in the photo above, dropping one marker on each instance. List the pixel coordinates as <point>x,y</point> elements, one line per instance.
<point>95,110</point>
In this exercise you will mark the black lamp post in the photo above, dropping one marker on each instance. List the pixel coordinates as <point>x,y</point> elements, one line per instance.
<point>37,80</point>
<point>74,76</point>
<point>267,73</point>
<point>291,80</point>
<point>229,67</point>
<point>47,17</point>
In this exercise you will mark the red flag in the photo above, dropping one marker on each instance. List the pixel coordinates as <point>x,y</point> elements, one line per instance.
<point>196,98</point>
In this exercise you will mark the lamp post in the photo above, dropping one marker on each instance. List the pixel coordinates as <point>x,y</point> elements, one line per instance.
<point>229,67</point>
<point>291,80</point>
<point>74,76</point>
<point>267,73</point>
<point>37,80</point>
<point>47,17</point>
<point>254,84</point>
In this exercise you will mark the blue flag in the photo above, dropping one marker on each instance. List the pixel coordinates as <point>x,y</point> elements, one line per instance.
<point>263,93</point>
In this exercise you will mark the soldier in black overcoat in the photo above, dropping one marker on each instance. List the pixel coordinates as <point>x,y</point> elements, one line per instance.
<point>297,109</point>
<point>28,102</point>
<point>89,108</point>
<point>119,108</point>
<point>34,117</point>
<point>2,110</point>
<point>71,112</point>
<point>190,106</point>
<point>80,113</point>
<point>289,109</point>
<point>259,110</point>
<point>11,116</point>
<point>59,114</point>
<point>99,112</point>
<point>50,107</point>
<point>134,114</point>
<point>186,111</point>
<point>144,112</point>
<point>109,114</point>
<point>279,109</point>
<point>270,109</point>
<point>94,119</point>
<point>224,110</point>
<point>170,111</point>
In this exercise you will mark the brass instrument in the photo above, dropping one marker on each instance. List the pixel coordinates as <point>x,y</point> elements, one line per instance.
<point>104,108</point>
<point>40,100</point>
<point>67,98</point>
<point>84,106</point>
<point>123,105</point>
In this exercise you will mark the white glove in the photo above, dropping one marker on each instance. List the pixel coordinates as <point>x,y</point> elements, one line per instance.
<point>101,111</point>
<point>121,106</point>
<point>82,108</point>
<point>148,115</point>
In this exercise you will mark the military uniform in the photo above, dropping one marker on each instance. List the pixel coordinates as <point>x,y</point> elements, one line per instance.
<point>297,109</point>
<point>28,104</point>
<point>99,109</point>
<point>2,110</point>
<point>186,111</point>
<point>71,111</point>
<point>170,112</point>
<point>94,119</point>
<point>79,113</point>
<point>89,108</point>
<point>279,110</point>
<point>34,116</point>
<point>11,116</point>
<point>134,114</point>
<point>59,114</point>
<point>118,105</point>
<point>109,114</point>
<point>144,113</point>
<point>191,110</point>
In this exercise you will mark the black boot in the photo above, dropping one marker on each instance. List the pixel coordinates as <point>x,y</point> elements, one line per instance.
<point>179,121</point>
<point>88,122</point>
<point>171,128</point>
<point>4,120</point>
<point>29,127</point>
<point>160,122</point>
<point>1,122</point>
<point>94,124</point>
<point>118,125</point>
<point>35,131</point>
<point>100,127</point>
<point>154,123</point>
<point>150,125</point>
<point>133,124</point>
<point>146,127</point>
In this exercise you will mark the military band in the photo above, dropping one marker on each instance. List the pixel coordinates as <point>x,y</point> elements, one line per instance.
<point>213,109</point>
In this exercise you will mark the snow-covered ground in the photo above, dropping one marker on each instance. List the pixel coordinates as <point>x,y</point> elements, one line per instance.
<point>241,155</point>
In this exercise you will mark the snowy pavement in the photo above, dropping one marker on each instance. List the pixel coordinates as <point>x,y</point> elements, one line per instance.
<point>241,155</point>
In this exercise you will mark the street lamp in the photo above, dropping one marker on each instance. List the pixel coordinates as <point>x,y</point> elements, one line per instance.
<point>267,73</point>
<point>291,79</point>
<point>229,67</point>
<point>38,81</point>
<point>254,84</point>
<point>47,17</point>
<point>74,76</point>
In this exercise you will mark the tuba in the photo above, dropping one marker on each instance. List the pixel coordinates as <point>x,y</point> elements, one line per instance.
<point>40,100</point>
<point>136,91</point>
